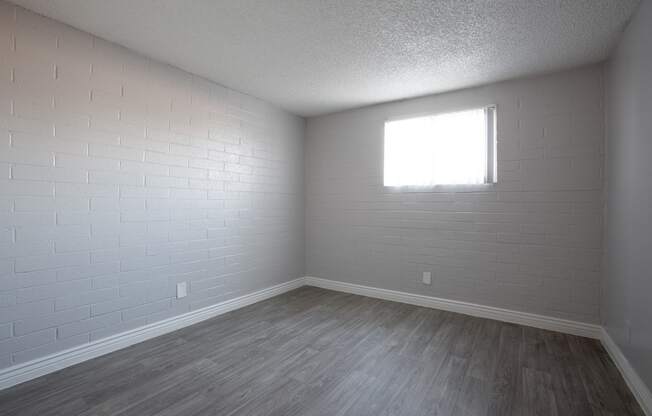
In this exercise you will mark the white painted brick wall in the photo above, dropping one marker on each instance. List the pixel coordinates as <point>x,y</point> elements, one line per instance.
<point>120,177</point>
<point>532,242</point>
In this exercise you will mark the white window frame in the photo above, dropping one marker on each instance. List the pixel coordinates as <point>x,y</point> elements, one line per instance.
<point>491,176</point>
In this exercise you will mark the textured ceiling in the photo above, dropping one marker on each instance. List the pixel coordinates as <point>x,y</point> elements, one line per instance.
<point>318,56</point>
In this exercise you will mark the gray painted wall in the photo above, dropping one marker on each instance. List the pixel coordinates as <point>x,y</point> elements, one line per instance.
<point>120,177</point>
<point>626,305</point>
<point>532,242</point>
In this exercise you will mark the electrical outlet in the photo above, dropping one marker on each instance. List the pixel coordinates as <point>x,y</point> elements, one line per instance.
<point>182,290</point>
<point>427,278</point>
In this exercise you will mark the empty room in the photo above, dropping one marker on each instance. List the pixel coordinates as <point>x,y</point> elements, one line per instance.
<point>325,207</point>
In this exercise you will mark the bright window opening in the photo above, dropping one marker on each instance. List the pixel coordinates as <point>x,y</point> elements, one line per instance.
<point>444,149</point>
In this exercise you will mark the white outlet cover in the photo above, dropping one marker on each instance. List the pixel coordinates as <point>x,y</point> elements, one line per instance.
<point>427,278</point>
<point>182,290</point>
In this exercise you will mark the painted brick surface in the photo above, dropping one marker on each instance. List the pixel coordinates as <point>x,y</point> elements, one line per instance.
<point>120,177</point>
<point>531,242</point>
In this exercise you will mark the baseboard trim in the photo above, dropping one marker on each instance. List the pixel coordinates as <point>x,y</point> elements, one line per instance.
<point>634,382</point>
<point>489,312</point>
<point>36,368</point>
<point>640,391</point>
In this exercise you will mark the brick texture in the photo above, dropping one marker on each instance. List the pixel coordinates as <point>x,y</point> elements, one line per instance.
<point>120,177</point>
<point>531,242</point>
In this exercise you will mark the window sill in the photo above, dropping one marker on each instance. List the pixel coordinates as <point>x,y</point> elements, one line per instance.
<point>483,187</point>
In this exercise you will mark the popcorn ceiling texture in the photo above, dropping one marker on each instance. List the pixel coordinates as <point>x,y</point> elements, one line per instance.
<point>119,177</point>
<point>531,242</point>
<point>314,56</point>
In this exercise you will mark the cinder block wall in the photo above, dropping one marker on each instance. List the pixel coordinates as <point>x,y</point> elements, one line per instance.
<point>532,242</point>
<point>120,177</point>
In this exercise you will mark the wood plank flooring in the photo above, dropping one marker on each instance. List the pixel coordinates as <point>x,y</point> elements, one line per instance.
<point>317,352</point>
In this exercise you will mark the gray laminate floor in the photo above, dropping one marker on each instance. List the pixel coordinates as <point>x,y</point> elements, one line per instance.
<point>317,352</point>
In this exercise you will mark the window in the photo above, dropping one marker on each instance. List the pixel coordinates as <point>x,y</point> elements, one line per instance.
<point>443,149</point>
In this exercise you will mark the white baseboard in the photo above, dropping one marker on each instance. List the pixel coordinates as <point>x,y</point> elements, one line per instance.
<point>42,366</point>
<point>499,314</point>
<point>634,382</point>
